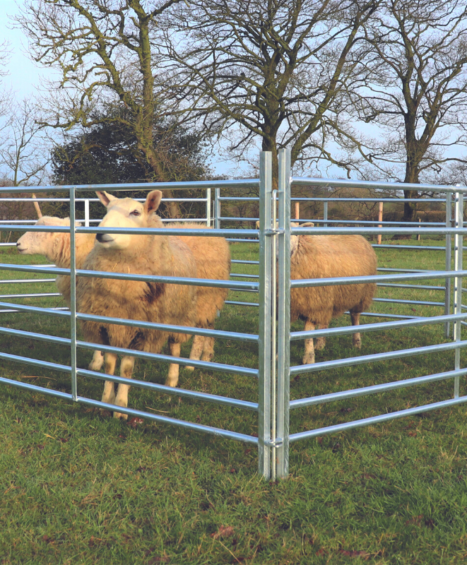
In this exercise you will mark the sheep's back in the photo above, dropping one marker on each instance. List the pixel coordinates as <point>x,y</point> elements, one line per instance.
<point>328,257</point>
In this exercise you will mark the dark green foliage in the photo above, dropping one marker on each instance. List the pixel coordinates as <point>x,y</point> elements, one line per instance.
<point>108,153</point>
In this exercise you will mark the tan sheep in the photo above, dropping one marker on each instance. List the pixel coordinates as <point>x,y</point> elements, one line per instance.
<point>154,302</point>
<point>329,256</point>
<point>56,248</point>
<point>212,256</point>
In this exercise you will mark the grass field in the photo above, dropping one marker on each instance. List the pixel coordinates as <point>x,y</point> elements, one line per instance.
<point>80,487</point>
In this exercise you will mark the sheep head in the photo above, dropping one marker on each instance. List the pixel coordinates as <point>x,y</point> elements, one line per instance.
<point>41,242</point>
<point>127,213</point>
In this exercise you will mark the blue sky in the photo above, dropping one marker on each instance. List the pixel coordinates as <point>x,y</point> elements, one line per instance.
<point>24,75</point>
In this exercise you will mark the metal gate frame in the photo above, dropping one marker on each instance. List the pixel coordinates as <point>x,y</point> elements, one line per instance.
<point>276,442</point>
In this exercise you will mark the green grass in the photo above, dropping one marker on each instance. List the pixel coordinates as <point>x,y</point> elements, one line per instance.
<point>80,487</point>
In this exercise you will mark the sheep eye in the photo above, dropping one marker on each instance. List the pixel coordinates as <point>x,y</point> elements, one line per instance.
<point>135,213</point>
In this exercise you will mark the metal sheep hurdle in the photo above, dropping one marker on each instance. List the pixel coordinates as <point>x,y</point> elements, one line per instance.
<point>274,337</point>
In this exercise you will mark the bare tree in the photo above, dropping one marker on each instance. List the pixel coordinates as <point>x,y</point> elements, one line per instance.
<point>104,53</point>
<point>417,92</point>
<point>270,70</point>
<point>24,154</point>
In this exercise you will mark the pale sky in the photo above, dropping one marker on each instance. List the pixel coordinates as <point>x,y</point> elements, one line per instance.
<point>24,76</point>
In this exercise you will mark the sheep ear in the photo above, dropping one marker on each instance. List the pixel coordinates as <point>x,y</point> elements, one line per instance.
<point>105,197</point>
<point>152,201</point>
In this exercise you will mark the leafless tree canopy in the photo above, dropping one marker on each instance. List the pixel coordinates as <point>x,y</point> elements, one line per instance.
<point>270,69</point>
<point>417,87</point>
<point>104,53</point>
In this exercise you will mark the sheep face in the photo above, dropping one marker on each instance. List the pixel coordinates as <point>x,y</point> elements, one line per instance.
<point>40,242</point>
<point>125,213</point>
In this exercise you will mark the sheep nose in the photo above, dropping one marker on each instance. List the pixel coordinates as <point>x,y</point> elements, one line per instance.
<point>104,237</point>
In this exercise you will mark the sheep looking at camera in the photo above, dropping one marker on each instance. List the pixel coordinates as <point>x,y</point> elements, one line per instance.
<point>162,303</point>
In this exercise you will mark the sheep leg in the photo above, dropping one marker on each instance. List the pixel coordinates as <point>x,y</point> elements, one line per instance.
<point>357,340</point>
<point>109,387</point>
<point>309,356</point>
<point>196,349</point>
<point>172,377</point>
<point>126,371</point>
<point>320,342</point>
<point>97,361</point>
<point>208,352</point>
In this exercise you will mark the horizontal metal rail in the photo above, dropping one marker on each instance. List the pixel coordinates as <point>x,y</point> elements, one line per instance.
<point>300,283</point>
<point>28,281</point>
<point>419,321</point>
<point>316,230</point>
<point>209,365</point>
<point>393,200</point>
<point>183,393</point>
<point>130,411</point>
<point>246,183</point>
<point>200,232</point>
<point>369,222</point>
<point>241,303</point>
<point>38,295</point>
<point>340,183</point>
<point>376,357</point>
<point>169,328</point>
<point>240,285</point>
<point>377,419</point>
<point>375,389</point>
<point>134,353</point>
<point>415,247</point>
<point>400,301</point>
<point>233,240</point>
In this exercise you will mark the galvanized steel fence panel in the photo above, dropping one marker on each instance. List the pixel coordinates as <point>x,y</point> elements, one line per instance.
<point>272,285</point>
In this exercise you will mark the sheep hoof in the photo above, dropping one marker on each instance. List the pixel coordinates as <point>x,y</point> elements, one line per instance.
<point>120,416</point>
<point>357,344</point>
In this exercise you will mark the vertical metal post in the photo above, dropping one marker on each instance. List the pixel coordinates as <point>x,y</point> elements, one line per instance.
<point>283,361</point>
<point>208,207</point>
<point>447,291</point>
<point>266,295</point>
<point>274,339</point>
<point>86,213</point>
<point>458,243</point>
<point>217,209</point>
<point>325,214</point>
<point>74,384</point>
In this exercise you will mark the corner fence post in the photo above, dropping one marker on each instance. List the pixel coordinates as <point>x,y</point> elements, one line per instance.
<point>458,243</point>
<point>283,361</point>
<point>74,384</point>
<point>266,295</point>
<point>447,291</point>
